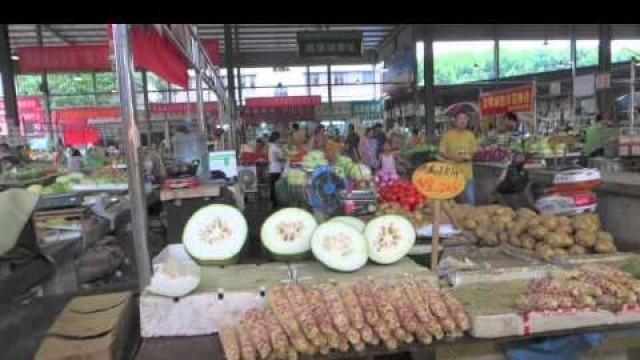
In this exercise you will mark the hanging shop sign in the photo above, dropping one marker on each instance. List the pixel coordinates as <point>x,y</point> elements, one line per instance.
<point>438,180</point>
<point>283,108</point>
<point>340,110</point>
<point>330,44</point>
<point>31,116</point>
<point>182,108</point>
<point>74,115</point>
<point>33,59</point>
<point>367,108</point>
<point>504,101</point>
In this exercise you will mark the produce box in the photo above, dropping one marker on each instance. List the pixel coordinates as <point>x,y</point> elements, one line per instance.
<point>223,295</point>
<point>311,273</point>
<point>493,313</point>
<point>470,265</point>
<point>91,327</point>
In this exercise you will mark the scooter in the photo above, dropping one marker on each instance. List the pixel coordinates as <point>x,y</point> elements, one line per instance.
<point>571,193</point>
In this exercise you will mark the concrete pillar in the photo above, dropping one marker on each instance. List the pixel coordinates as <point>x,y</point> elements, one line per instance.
<point>603,97</point>
<point>8,83</point>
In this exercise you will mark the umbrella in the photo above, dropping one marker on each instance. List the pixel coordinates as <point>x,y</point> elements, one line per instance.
<point>461,107</point>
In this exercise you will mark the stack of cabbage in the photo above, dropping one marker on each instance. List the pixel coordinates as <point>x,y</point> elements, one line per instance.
<point>343,243</point>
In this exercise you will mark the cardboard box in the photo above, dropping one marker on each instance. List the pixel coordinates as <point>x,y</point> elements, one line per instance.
<point>90,327</point>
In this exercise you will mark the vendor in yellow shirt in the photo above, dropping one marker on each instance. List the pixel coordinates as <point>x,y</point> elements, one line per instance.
<point>333,146</point>
<point>457,146</point>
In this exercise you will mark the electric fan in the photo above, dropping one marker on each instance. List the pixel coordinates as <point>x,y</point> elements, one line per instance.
<point>324,187</point>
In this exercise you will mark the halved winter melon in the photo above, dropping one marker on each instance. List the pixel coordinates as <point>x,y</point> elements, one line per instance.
<point>339,246</point>
<point>351,221</point>
<point>389,238</point>
<point>286,234</point>
<point>174,278</point>
<point>215,234</point>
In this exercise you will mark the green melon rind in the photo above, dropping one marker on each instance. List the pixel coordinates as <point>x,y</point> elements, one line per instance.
<point>408,231</point>
<point>278,256</point>
<point>351,221</point>
<point>316,247</point>
<point>228,260</point>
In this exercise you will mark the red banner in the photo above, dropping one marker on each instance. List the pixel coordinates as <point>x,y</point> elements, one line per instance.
<point>80,115</point>
<point>212,47</point>
<point>283,101</point>
<point>504,101</point>
<point>31,116</point>
<point>157,53</point>
<point>182,108</point>
<point>35,59</point>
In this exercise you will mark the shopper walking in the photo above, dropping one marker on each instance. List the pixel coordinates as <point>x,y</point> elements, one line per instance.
<point>298,136</point>
<point>388,163</point>
<point>368,149</point>
<point>381,138</point>
<point>319,138</point>
<point>595,138</point>
<point>351,143</point>
<point>276,164</point>
<point>457,147</point>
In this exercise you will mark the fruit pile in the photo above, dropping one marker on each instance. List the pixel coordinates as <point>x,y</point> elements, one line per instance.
<point>400,191</point>
<point>491,153</point>
<point>591,285</point>
<point>324,318</point>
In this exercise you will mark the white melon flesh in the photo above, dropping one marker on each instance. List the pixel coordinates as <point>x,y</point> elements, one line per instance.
<point>351,221</point>
<point>389,238</point>
<point>215,234</point>
<point>287,233</point>
<point>339,246</point>
<point>174,278</point>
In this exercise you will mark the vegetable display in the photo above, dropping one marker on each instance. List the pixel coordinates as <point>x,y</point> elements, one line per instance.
<point>325,317</point>
<point>174,278</point>
<point>286,234</point>
<point>547,236</point>
<point>589,286</point>
<point>400,191</point>
<point>215,234</point>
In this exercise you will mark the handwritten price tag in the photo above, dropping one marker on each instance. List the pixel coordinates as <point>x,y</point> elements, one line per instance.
<point>438,180</point>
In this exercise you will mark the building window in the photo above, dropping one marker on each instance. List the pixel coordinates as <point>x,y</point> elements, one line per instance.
<point>624,50</point>
<point>587,53</point>
<point>521,57</point>
<point>457,62</point>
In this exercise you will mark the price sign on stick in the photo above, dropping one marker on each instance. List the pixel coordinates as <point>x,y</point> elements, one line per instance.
<point>439,181</point>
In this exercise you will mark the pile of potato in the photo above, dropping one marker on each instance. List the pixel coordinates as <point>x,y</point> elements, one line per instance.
<point>548,236</point>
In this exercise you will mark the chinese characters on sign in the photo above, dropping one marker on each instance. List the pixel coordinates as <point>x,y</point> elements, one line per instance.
<point>63,58</point>
<point>31,116</point>
<point>511,100</point>
<point>330,43</point>
<point>438,180</point>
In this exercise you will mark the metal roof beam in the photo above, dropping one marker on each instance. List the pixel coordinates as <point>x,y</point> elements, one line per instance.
<point>55,32</point>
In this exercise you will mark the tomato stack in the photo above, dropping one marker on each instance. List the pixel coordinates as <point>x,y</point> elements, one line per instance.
<point>400,191</point>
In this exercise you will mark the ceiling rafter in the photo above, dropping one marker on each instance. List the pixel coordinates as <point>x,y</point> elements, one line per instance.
<point>57,33</point>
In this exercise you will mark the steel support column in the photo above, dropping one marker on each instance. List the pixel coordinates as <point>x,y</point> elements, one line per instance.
<point>145,99</point>
<point>632,95</point>
<point>574,52</point>
<point>8,79</point>
<point>139,221</point>
<point>228,60</point>
<point>195,51</point>
<point>604,65</point>
<point>330,91</point>
<point>44,88</point>
<point>429,88</point>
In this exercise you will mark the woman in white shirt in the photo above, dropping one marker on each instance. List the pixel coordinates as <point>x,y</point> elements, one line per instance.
<point>276,164</point>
